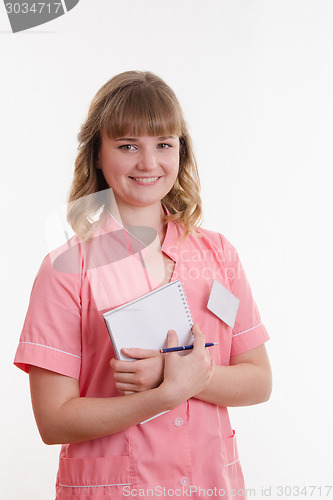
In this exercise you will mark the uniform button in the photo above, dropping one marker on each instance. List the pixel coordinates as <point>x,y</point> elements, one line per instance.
<point>184,481</point>
<point>178,422</point>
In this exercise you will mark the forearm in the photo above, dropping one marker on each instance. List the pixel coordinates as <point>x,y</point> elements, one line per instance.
<point>83,419</point>
<point>63,416</point>
<point>243,384</point>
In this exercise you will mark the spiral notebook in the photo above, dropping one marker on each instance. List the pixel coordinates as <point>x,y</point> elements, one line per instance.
<point>144,322</point>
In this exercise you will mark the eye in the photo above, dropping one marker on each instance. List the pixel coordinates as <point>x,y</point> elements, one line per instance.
<point>127,147</point>
<point>164,145</point>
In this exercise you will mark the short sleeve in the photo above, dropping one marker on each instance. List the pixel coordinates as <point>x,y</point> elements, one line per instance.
<point>249,331</point>
<point>51,335</point>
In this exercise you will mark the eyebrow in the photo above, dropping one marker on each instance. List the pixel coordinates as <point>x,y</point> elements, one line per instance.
<point>134,139</point>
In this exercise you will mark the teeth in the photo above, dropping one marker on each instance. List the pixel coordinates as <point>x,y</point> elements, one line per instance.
<point>145,179</point>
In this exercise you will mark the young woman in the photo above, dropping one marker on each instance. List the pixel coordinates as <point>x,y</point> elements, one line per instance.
<point>135,143</point>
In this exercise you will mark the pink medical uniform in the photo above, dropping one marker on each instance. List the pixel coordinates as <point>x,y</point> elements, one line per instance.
<point>188,452</point>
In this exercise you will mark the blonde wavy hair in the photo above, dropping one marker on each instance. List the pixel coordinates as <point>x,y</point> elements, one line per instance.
<point>136,103</point>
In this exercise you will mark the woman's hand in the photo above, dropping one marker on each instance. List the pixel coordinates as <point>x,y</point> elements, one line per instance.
<point>146,372</point>
<point>186,376</point>
<point>182,376</point>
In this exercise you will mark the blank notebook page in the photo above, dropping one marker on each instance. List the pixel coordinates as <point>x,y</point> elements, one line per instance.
<point>145,322</point>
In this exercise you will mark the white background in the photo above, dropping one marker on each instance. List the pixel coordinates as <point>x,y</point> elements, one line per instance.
<point>255,80</point>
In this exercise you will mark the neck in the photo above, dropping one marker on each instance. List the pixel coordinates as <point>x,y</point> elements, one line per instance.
<point>150,216</point>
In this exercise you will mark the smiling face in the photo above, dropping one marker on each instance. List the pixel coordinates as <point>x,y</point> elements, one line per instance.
<point>140,170</point>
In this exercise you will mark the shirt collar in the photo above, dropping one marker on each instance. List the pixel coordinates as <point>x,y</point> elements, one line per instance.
<point>172,238</point>
<point>173,235</point>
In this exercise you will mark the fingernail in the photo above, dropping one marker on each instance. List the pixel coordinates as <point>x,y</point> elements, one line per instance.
<point>126,350</point>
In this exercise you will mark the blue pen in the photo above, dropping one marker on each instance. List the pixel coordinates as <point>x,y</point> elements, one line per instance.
<point>184,347</point>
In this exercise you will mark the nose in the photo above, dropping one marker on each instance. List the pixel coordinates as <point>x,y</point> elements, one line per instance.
<point>146,159</point>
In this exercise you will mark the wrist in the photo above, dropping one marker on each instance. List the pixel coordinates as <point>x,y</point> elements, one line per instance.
<point>169,396</point>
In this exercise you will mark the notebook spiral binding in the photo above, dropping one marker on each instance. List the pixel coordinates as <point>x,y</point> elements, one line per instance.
<point>185,302</point>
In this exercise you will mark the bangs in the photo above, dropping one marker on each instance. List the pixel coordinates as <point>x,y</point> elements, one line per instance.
<point>142,110</point>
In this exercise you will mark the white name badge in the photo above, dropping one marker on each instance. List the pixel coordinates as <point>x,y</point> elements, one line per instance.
<point>223,303</point>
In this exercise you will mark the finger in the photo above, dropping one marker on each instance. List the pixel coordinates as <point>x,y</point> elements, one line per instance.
<point>199,338</point>
<point>138,353</point>
<point>126,387</point>
<point>122,366</point>
<point>172,339</point>
<point>124,377</point>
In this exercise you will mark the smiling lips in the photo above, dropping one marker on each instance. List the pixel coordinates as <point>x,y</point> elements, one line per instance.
<point>145,180</point>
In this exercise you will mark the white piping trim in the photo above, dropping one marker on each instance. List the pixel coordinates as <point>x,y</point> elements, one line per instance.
<point>53,349</point>
<point>236,334</point>
<point>232,463</point>
<point>94,485</point>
